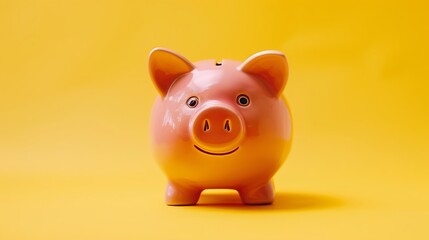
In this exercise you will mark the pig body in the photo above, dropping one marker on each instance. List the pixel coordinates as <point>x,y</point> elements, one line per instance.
<point>220,125</point>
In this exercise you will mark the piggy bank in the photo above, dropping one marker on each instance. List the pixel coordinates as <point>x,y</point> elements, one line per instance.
<point>220,125</point>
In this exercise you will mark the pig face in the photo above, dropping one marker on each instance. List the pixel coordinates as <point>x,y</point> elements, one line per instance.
<point>220,124</point>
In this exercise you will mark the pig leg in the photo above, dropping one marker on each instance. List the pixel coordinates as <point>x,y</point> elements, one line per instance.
<point>262,194</point>
<point>178,195</point>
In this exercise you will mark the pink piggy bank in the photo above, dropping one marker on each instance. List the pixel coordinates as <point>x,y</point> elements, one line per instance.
<point>220,124</point>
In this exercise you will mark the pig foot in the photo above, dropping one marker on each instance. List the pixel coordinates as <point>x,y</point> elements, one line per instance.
<point>257,196</point>
<point>177,195</point>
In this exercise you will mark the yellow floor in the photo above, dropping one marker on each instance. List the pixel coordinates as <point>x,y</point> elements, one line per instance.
<point>318,206</point>
<point>75,101</point>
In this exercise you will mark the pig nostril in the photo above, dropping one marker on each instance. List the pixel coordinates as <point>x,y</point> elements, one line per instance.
<point>206,125</point>
<point>227,127</point>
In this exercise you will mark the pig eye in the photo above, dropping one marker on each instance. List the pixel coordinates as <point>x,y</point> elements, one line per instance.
<point>192,102</point>
<point>243,100</point>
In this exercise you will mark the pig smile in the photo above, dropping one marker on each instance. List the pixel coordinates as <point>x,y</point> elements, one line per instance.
<point>216,154</point>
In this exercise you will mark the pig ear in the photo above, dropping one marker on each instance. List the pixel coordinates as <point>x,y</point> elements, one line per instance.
<point>165,67</point>
<point>271,66</point>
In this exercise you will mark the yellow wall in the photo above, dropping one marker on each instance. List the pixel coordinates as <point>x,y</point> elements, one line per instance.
<point>75,100</point>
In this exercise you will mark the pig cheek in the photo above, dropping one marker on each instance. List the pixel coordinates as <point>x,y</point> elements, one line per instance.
<point>170,130</point>
<point>264,124</point>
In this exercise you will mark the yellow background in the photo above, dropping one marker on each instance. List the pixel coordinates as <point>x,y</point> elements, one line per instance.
<point>75,101</point>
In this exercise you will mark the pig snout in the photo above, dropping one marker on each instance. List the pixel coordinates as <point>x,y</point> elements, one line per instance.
<point>216,129</point>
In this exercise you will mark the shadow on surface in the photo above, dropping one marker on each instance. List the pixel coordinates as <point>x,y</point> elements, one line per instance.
<point>284,201</point>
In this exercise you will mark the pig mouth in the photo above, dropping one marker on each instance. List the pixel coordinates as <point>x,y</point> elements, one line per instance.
<point>216,154</point>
